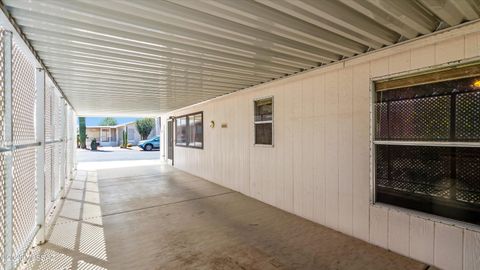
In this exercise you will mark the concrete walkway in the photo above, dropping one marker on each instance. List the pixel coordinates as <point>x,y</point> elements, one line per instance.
<point>152,216</point>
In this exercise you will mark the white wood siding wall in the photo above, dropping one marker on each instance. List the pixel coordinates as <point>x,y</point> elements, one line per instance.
<point>319,167</point>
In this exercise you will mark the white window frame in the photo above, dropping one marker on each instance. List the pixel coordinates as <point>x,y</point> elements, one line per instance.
<point>264,122</point>
<point>373,143</point>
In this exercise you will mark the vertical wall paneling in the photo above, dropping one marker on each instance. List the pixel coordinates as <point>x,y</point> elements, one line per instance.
<point>448,247</point>
<point>289,144</point>
<point>361,150</point>
<point>379,226</point>
<point>319,167</point>
<point>297,125</point>
<point>309,146</point>
<point>472,250</point>
<point>331,149</point>
<point>319,159</point>
<point>421,239</point>
<point>450,50</point>
<point>399,62</point>
<point>279,125</point>
<point>422,57</point>
<point>472,45</point>
<point>345,151</point>
<point>398,232</point>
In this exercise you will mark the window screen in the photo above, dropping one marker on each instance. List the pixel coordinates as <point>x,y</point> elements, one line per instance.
<point>263,121</point>
<point>427,154</point>
<point>189,130</point>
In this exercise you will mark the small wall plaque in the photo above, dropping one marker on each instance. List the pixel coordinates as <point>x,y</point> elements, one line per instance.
<point>224,125</point>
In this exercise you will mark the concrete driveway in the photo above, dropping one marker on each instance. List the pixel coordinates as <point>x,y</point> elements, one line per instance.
<point>116,154</point>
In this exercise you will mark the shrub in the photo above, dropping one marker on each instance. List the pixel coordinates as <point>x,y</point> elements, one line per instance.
<point>145,126</point>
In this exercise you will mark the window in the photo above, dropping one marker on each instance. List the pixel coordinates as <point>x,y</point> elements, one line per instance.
<point>426,144</point>
<point>105,135</point>
<point>189,130</point>
<point>130,133</point>
<point>263,121</point>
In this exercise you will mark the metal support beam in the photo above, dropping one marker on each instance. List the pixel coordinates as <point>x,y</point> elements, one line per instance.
<point>40,153</point>
<point>8,135</point>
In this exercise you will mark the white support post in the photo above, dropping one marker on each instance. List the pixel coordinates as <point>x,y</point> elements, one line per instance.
<point>62,150</point>
<point>40,153</point>
<point>68,150</point>
<point>8,135</point>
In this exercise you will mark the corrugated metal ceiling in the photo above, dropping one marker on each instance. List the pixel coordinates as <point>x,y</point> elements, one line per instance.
<point>146,57</point>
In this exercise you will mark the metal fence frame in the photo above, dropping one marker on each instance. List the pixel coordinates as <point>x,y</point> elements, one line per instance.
<point>17,238</point>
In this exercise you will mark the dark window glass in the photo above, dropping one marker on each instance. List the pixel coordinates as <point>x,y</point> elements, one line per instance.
<point>199,130</point>
<point>181,131</point>
<point>467,117</point>
<point>443,111</point>
<point>263,121</point>
<point>263,133</point>
<point>264,109</point>
<point>438,180</point>
<point>190,130</point>
<point>442,179</point>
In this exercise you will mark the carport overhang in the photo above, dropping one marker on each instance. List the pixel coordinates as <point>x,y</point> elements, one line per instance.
<point>150,57</point>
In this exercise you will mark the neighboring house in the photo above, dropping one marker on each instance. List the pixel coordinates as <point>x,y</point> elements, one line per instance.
<point>113,135</point>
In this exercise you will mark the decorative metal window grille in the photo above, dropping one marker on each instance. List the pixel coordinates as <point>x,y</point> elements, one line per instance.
<point>427,150</point>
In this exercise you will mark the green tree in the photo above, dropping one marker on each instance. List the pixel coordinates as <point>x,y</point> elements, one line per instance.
<point>108,121</point>
<point>82,132</point>
<point>145,126</point>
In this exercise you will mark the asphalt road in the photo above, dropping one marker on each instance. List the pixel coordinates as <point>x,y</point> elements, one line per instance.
<point>115,154</point>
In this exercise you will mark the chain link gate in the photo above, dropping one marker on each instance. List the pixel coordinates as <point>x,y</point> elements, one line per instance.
<point>37,151</point>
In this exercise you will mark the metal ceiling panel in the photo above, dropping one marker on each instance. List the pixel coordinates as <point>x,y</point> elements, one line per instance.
<point>147,57</point>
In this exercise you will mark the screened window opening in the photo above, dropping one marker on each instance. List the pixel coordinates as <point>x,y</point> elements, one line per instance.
<point>263,121</point>
<point>189,130</point>
<point>427,147</point>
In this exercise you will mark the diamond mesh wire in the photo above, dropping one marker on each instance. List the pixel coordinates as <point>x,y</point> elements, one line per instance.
<point>468,166</point>
<point>420,119</point>
<point>2,156</point>
<point>2,83</point>
<point>24,199</point>
<point>48,177</point>
<point>56,157</point>
<point>69,142</point>
<point>57,116</point>
<point>56,169</point>
<point>23,98</point>
<point>49,89</point>
<point>23,130</point>
<point>2,209</point>
<point>24,159</point>
<point>467,117</point>
<point>414,169</point>
<point>381,126</point>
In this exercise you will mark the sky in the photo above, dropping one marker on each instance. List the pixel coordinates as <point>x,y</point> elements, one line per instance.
<point>94,121</point>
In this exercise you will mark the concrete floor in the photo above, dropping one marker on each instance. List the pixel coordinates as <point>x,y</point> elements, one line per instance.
<point>152,216</point>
